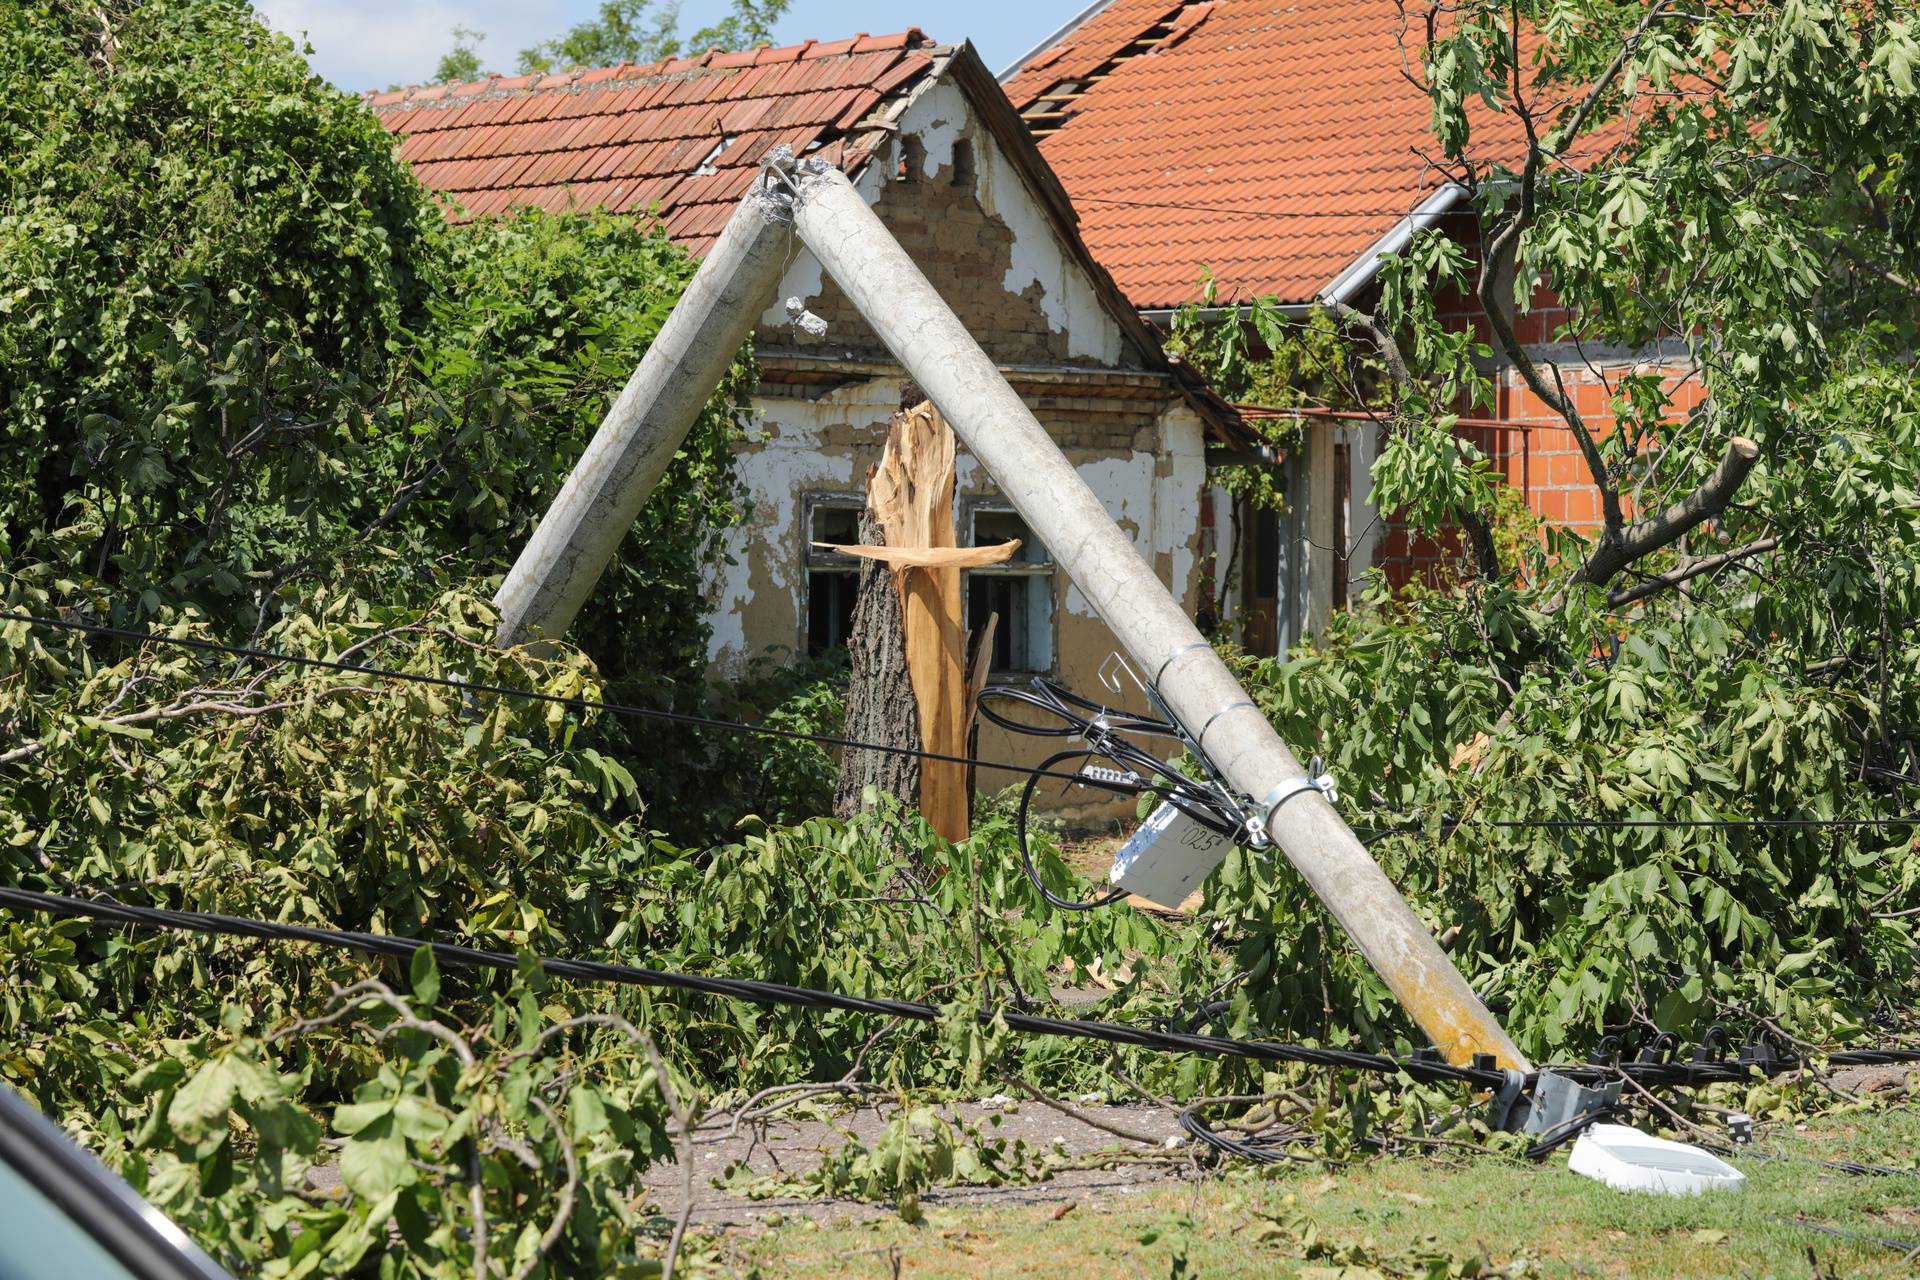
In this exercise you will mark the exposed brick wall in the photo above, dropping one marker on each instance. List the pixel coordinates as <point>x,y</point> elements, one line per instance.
<point>965,253</point>
<point>1537,454</point>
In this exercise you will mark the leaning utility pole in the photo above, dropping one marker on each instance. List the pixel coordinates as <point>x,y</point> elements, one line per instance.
<point>928,340</point>
<point>584,527</point>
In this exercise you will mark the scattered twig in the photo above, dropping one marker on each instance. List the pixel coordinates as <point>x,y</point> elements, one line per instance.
<point>1073,1112</point>
<point>551,1235</point>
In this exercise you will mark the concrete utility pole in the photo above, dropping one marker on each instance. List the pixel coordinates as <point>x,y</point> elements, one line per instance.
<point>937,351</point>
<point>582,531</point>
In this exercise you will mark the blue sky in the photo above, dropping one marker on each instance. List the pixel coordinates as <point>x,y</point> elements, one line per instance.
<point>370,44</point>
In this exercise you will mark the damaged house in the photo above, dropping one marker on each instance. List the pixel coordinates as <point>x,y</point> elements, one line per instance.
<point>932,142</point>
<point>1280,145</point>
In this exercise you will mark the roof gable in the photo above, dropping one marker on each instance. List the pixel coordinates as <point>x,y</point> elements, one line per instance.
<point>630,139</point>
<point>686,135</point>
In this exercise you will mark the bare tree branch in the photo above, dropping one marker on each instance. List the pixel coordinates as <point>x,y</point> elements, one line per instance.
<point>1691,567</point>
<point>1091,1121</point>
<point>1620,547</point>
<point>179,710</point>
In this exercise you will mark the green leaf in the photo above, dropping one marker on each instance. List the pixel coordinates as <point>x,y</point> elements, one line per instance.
<point>425,975</point>
<point>201,1106</point>
<point>374,1162</point>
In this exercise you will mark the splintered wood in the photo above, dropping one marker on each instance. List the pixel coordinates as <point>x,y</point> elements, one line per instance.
<point>910,497</point>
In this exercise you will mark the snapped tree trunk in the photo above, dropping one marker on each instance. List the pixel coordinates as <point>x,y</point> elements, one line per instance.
<point>880,706</point>
<point>910,501</point>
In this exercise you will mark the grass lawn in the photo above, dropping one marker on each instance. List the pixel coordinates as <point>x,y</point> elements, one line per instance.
<point>1413,1217</point>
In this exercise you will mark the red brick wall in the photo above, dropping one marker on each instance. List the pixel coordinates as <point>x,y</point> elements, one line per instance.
<point>1537,453</point>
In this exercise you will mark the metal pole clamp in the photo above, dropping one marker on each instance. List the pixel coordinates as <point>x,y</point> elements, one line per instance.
<point>1314,779</point>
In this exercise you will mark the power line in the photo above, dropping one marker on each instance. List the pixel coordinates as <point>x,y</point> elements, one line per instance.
<point>529,695</point>
<point>794,735</point>
<point>1449,826</point>
<point>1425,1068</point>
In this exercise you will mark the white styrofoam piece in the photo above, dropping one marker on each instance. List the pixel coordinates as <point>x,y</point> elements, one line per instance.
<point>1168,857</point>
<point>1629,1160</point>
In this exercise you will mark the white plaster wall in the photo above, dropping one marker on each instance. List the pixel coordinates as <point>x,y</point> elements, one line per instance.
<point>759,592</point>
<point>759,598</point>
<point>1176,506</point>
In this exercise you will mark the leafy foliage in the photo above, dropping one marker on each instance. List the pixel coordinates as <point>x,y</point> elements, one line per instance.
<point>240,405</point>
<point>641,31</point>
<point>461,62</point>
<point>1733,184</point>
<point>229,391</point>
<point>200,281</point>
<point>516,1135</point>
<point>1255,355</point>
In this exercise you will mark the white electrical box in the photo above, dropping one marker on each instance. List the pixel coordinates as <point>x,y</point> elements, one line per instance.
<point>1168,857</point>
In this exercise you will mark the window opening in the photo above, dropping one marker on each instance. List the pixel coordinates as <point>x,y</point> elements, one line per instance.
<point>963,163</point>
<point>833,580</point>
<point>913,159</point>
<point>1019,591</point>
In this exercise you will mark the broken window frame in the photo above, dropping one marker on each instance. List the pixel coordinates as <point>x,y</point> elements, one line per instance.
<point>840,574</point>
<point>1031,573</point>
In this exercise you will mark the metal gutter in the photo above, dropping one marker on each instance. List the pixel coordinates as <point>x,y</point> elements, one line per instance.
<point>1360,272</point>
<point>1073,24</point>
<point>1165,315</point>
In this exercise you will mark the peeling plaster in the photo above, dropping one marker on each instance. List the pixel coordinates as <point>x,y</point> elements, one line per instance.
<point>759,598</point>
<point>1040,266</point>
<point>759,591</point>
<point>1039,258</point>
<point>799,446</point>
<point>1177,493</point>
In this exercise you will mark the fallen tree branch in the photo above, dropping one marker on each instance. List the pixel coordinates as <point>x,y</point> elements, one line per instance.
<point>1620,547</point>
<point>180,710</point>
<point>1074,1113</point>
<point>1692,567</point>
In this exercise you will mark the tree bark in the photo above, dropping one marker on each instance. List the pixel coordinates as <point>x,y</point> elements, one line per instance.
<point>880,705</point>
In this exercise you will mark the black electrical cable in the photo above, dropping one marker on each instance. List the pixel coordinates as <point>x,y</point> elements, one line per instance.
<point>1053,899</point>
<point>1121,722</point>
<point>1550,1140</point>
<point>753,991</point>
<point>1136,771</point>
<point>1852,1167</point>
<point>1252,1148</point>
<point>1450,825</point>
<point>1426,1068</point>
<point>530,695</point>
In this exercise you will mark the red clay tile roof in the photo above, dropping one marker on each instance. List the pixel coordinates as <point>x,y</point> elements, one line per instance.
<point>627,138</point>
<point>1284,128</point>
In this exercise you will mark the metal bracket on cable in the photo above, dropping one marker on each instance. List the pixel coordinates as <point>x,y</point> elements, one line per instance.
<point>1115,666</point>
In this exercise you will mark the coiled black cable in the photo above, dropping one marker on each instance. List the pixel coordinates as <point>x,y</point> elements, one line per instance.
<point>1135,771</point>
